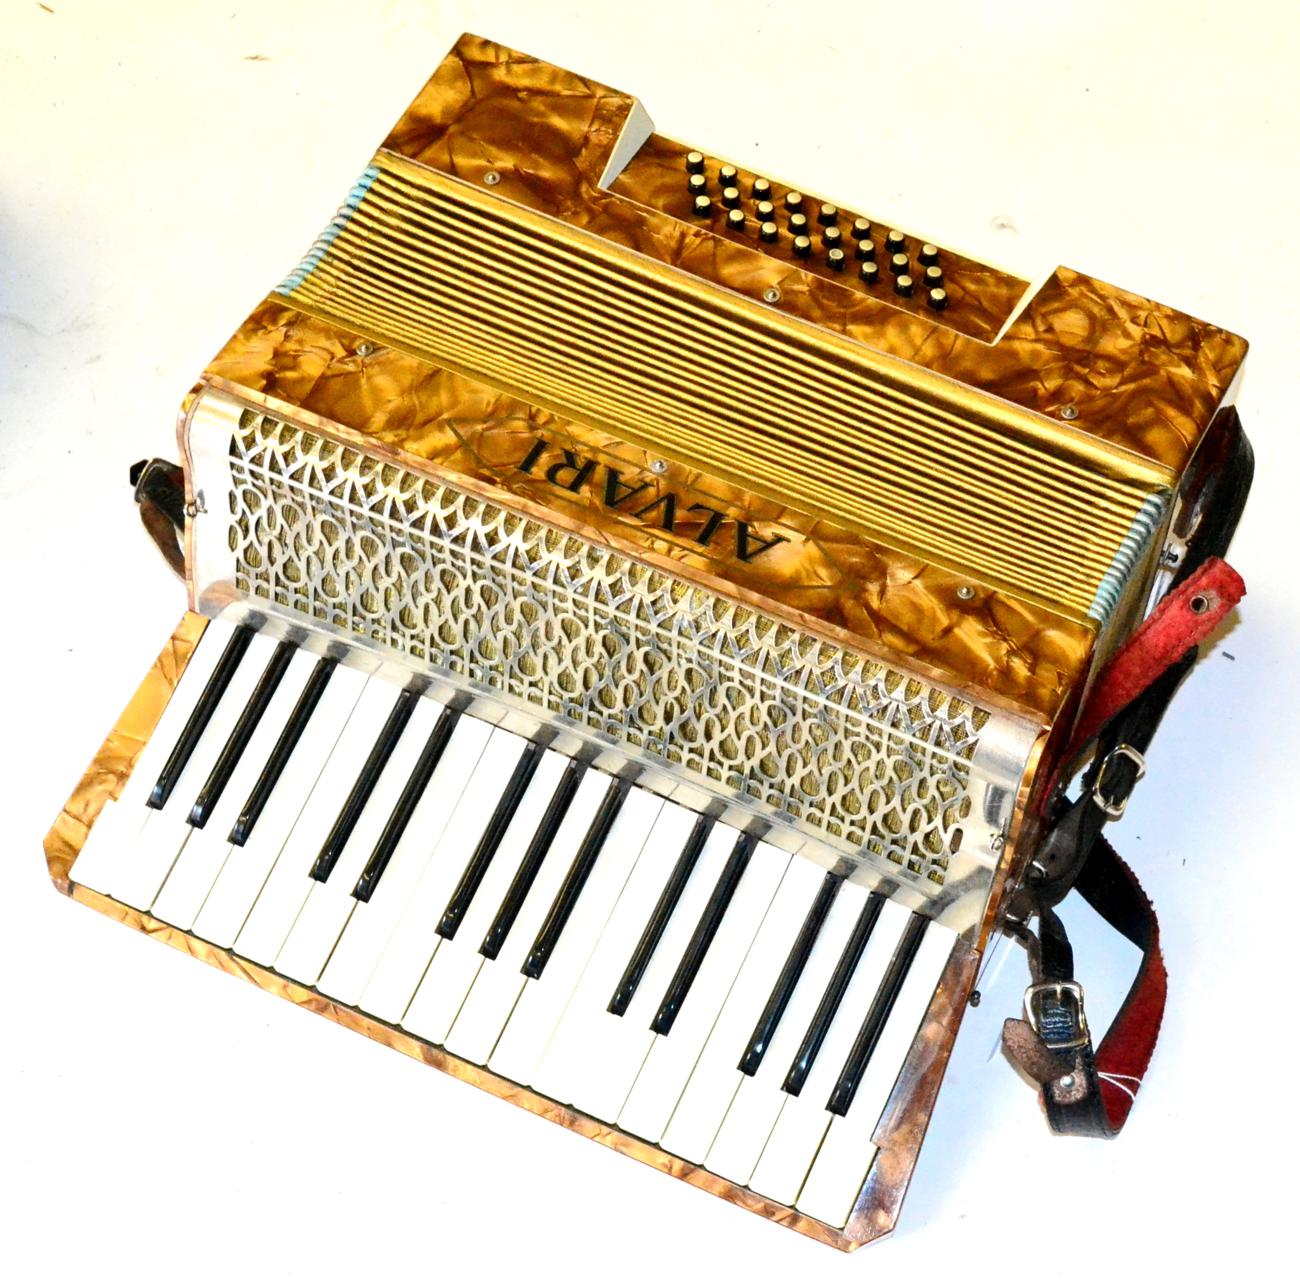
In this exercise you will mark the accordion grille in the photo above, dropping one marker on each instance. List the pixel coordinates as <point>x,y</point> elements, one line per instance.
<point>869,757</point>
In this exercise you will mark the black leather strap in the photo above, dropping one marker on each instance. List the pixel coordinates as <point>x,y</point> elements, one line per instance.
<point>1117,765</point>
<point>159,489</point>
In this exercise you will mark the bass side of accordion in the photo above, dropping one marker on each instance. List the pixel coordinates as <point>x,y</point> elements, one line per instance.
<point>755,510</point>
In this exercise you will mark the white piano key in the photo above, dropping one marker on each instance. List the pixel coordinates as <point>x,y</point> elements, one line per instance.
<point>330,903</point>
<point>206,848</point>
<point>112,837</point>
<point>715,1077</point>
<point>757,1103</point>
<point>165,830</point>
<point>290,881</point>
<point>153,851</point>
<point>671,1059</point>
<point>372,923</point>
<point>455,964</point>
<point>846,1153</point>
<point>406,955</point>
<point>803,1122</point>
<point>196,868</point>
<point>247,867</point>
<point>542,1003</point>
<point>498,983</point>
<point>595,1056</point>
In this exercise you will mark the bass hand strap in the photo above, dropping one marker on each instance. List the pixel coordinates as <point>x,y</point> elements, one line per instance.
<point>1083,1091</point>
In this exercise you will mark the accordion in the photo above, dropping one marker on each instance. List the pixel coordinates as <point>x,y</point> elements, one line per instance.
<point>643,621</point>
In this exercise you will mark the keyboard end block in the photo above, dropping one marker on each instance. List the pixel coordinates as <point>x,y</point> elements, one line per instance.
<point>112,764</point>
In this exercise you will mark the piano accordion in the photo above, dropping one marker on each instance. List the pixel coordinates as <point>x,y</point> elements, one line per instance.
<point>636,614</point>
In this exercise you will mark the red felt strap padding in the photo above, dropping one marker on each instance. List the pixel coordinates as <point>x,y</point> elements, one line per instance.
<point>1125,1052</point>
<point>1184,618</point>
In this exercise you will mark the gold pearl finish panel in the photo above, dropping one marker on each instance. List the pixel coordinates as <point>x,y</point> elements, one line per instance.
<point>898,1137</point>
<point>851,589</point>
<point>1138,375</point>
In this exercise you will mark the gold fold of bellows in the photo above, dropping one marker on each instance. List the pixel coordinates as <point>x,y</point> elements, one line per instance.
<point>789,411</point>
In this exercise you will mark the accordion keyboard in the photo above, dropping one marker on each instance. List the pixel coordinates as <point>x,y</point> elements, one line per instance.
<point>660,971</point>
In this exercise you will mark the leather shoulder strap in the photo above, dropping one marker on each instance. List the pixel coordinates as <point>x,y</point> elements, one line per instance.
<point>1086,1091</point>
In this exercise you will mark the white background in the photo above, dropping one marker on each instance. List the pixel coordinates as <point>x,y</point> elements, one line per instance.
<point>161,166</point>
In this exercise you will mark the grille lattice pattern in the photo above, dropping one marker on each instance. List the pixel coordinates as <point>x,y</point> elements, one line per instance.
<point>867,755</point>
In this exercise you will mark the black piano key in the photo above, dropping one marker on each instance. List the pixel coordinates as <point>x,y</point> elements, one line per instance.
<point>829,1005</point>
<point>874,1024</point>
<point>430,755</point>
<point>490,841</point>
<point>198,720</point>
<point>365,784</point>
<point>234,746</point>
<point>494,940</point>
<point>787,980</point>
<point>574,881</point>
<point>658,922</point>
<point>283,749</point>
<point>696,950</point>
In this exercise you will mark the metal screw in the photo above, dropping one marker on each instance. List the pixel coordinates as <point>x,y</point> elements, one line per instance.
<point>198,507</point>
<point>365,349</point>
<point>658,466</point>
<point>771,294</point>
<point>1066,1082</point>
<point>965,592</point>
<point>491,177</point>
<point>1069,412</point>
<point>975,999</point>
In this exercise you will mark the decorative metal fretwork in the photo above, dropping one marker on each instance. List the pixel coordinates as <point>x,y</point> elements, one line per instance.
<point>875,759</point>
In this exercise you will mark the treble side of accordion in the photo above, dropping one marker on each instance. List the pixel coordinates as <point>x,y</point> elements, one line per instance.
<point>829,554</point>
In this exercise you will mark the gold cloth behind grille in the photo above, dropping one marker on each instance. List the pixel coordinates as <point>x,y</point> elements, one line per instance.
<point>862,753</point>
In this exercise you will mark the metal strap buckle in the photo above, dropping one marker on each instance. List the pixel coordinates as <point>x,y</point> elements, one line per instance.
<point>1077,1016</point>
<point>1115,809</point>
